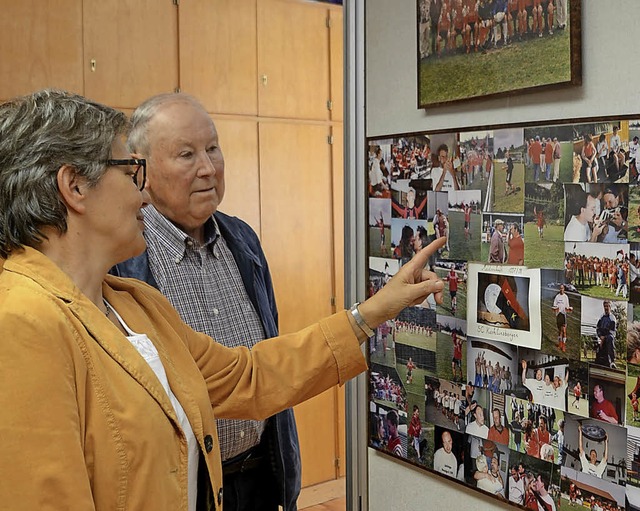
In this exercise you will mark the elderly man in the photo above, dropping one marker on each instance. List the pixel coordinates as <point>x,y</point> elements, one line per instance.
<point>212,269</point>
<point>496,246</point>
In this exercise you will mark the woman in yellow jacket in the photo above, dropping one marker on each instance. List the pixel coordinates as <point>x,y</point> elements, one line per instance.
<point>108,399</point>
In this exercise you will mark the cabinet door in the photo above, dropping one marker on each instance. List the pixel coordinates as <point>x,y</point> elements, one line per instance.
<point>239,144</point>
<point>336,49</point>
<point>337,158</point>
<point>293,59</point>
<point>131,50</point>
<point>297,236</point>
<point>218,54</point>
<point>41,43</point>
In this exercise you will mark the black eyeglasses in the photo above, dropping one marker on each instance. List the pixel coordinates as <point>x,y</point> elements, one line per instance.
<point>138,164</point>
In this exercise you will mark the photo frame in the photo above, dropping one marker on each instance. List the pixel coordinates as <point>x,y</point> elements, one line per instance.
<point>465,51</point>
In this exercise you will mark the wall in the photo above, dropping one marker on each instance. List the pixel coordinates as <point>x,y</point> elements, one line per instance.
<point>609,88</point>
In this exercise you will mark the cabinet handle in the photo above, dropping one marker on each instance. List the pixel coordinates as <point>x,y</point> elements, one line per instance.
<point>93,65</point>
<point>264,80</point>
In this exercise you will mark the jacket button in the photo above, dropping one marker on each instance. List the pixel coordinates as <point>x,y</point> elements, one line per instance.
<point>220,497</point>
<point>208,443</point>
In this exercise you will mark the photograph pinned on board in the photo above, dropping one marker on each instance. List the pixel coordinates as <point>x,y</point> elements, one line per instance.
<point>632,414</point>
<point>446,402</point>
<point>507,188</point>
<point>408,157</point>
<point>454,296</point>
<point>595,449</point>
<point>492,365</point>
<point>448,453</point>
<point>578,397</point>
<point>503,48</point>
<point>407,237</point>
<point>409,198</point>
<point>419,438</point>
<point>582,491</point>
<point>598,270</point>
<point>504,304</point>
<point>634,212</point>
<point>543,378</point>
<point>548,153</point>
<point>502,238</point>
<point>633,456</point>
<point>445,173</point>
<point>607,393</point>
<point>596,213</point>
<point>601,152</point>
<point>388,429</point>
<point>476,154</point>
<point>415,348</point>
<point>379,227</point>
<point>487,471</point>
<point>465,217</point>
<point>387,388</point>
<point>451,353</point>
<point>603,333</point>
<point>527,477</point>
<point>560,314</point>
<point>634,273</point>
<point>544,225</point>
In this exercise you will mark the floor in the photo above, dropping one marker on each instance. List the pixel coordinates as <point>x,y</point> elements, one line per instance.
<point>339,504</point>
<point>329,496</point>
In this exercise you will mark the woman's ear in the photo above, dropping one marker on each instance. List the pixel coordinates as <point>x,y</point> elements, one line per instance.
<point>72,188</point>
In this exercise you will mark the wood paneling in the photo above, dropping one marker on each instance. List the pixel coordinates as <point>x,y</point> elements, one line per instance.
<point>41,42</point>
<point>296,212</point>
<point>218,60</point>
<point>134,44</point>
<point>296,200</point>
<point>293,60</point>
<point>337,158</point>
<point>239,144</point>
<point>336,48</point>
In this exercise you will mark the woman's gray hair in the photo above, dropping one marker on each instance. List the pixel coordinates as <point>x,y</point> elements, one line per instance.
<point>138,141</point>
<point>40,133</point>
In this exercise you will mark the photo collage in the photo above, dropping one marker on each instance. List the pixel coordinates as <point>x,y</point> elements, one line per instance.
<point>524,382</point>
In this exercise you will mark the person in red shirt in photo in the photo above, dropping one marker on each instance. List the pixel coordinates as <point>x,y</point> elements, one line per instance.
<point>453,280</point>
<point>456,360</point>
<point>498,433</point>
<point>602,408</point>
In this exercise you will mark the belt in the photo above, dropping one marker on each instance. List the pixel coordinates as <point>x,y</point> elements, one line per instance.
<point>244,462</point>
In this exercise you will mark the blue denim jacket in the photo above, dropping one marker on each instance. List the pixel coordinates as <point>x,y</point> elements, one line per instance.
<point>247,252</point>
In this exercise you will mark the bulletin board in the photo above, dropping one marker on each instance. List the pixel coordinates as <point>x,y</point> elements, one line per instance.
<point>524,382</point>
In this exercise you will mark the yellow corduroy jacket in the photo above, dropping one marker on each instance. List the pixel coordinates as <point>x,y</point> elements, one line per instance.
<point>85,422</point>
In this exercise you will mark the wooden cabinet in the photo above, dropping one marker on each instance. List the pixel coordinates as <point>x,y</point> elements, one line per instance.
<point>297,236</point>
<point>218,58</point>
<point>293,60</point>
<point>130,50</point>
<point>336,55</point>
<point>239,143</point>
<point>41,42</point>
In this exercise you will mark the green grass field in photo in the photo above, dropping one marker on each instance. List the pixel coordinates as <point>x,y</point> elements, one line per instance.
<point>509,68</point>
<point>460,246</point>
<point>547,252</point>
<point>514,201</point>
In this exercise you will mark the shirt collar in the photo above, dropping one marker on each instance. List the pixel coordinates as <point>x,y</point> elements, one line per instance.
<point>171,237</point>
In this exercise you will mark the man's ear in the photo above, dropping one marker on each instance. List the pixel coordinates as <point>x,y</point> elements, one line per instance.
<point>72,188</point>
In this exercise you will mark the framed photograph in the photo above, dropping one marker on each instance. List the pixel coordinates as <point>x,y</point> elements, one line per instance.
<point>470,49</point>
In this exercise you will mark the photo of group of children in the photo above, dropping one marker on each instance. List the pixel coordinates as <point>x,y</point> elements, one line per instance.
<point>524,382</point>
